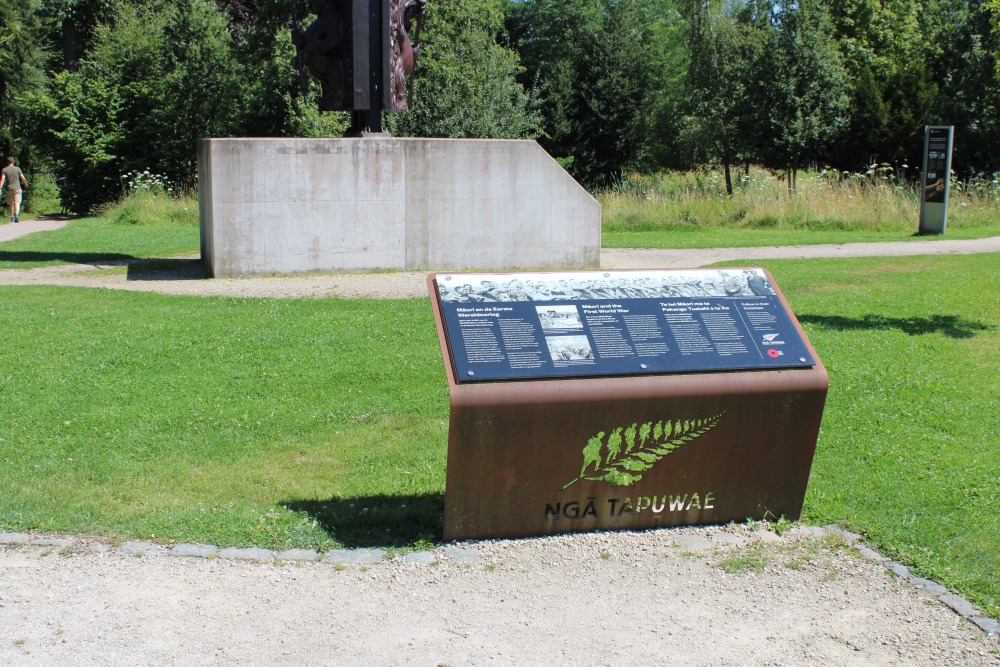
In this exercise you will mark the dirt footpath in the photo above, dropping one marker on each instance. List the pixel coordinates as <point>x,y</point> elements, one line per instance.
<point>188,276</point>
<point>694,596</point>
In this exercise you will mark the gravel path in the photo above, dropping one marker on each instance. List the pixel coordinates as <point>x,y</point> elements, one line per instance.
<point>187,275</point>
<point>693,596</point>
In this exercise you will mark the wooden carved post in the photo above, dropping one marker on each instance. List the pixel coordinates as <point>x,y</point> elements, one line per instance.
<point>362,53</point>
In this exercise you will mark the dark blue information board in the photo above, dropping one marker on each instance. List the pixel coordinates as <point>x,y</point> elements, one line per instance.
<point>584,324</point>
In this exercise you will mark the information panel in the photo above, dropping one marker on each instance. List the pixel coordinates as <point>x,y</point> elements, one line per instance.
<point>600,323</point>
<point>937,169</point>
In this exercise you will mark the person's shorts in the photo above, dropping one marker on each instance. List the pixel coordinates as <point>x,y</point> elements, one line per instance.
<point>14,201</point>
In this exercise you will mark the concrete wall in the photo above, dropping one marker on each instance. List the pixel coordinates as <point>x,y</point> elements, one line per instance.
<point>320,205</point>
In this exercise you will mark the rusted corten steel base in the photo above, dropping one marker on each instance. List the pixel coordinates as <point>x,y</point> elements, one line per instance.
<point>723,446</point>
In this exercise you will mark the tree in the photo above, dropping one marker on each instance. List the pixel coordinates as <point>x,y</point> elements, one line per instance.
<point>807,86</point>
<point>994,6</point>
<point>883,56</point>
<point>465,82</point>
<point>721,116</point>
<point>668,93</point>
<point>961,43</point>
<point>590,63</point>
<point>159,77</point>
<point>73,26</point>
<point>21,68</point>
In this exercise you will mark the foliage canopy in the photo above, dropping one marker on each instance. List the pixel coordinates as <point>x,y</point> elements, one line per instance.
<point>91,89</point>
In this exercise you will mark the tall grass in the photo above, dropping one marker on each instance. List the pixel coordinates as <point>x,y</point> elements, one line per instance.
<point>876,201</point>
<point>152,199</point>
<point>144,207</point>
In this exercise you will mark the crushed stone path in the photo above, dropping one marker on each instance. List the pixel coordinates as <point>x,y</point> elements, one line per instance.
<point>187,275</point>
<point>11,231</point>
<point>719,595</point>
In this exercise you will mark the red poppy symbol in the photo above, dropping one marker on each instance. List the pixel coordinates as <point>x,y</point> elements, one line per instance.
<point>774,354</point>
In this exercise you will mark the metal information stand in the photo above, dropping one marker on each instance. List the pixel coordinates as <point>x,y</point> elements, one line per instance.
<point>623,400</point>
<point>936,179</point>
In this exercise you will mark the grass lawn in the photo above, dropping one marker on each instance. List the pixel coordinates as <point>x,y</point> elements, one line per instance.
<point>267,422</point>
<point>283,423</point>
<point>909,452</point>
<point>628,223</point>
<point>99,239</point>
<point>685,236</point>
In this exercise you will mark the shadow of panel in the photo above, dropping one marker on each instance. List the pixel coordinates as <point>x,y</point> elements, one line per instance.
<point>952,326</point>
<point>377,521</point>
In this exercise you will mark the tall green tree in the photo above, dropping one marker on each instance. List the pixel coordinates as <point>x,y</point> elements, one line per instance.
<point>591,65</point>
<point>159,77</point>
<point>73,26</point>
<point>961,44</point>
<point>994,6</point>
<point>22,69</point>
<point>807,86</point>
<point>722,117</point>
<point>668,94</point>
<point>890,83</point>
<point>465,82</point>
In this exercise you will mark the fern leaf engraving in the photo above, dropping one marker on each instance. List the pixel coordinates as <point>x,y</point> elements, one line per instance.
<point>624,467</point>
<point>644,433</point>
<point>615,443</point>
<point>592,453</point>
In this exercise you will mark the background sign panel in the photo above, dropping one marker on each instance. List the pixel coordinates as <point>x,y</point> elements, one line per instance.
<point>591,324</point>
<point>936,178</point>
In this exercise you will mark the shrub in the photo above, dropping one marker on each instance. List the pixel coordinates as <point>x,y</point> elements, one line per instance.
<point>43,194</point>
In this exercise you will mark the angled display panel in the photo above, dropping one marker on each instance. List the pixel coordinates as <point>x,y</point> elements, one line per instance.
<point>600,323</point>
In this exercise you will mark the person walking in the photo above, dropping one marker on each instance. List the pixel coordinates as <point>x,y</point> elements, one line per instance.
<point>10,185</point>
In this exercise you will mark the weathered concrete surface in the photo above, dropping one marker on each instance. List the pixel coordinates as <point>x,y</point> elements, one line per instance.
<point>291,206</point>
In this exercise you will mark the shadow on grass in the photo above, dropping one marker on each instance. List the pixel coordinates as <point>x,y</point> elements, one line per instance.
<point>377,521</point>
<point>67,257</point>
<point>952,326</point>
<point>168,269</point>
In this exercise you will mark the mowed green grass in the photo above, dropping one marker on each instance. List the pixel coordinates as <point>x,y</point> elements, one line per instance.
<point>909,452</point>
<point>225,421</point>
<point>285,423</point>
<point>666,234</point>
<point>629,222</point>
<point>99,239</point>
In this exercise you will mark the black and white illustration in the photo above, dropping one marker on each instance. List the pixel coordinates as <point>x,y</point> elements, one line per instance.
<point>570,350</point>
<point>559,318</point>
<point>596,285</point>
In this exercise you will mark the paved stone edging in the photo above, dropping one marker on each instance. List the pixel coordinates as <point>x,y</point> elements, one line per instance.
<point>450,553</point>
<point>469,555</point>
<point>958,604</point>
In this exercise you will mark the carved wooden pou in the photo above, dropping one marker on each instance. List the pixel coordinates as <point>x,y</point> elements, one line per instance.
<point>362,52</point>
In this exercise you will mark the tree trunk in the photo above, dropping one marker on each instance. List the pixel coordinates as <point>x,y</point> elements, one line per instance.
<point>790,173</point>
<point>729,178</point>
<point>69,44</point>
